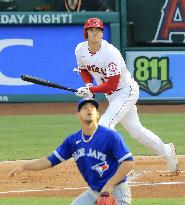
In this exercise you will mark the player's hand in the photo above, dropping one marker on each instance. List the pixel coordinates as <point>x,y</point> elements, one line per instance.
<point>15,171</point>
<point>107,188</point>
<point>84,92</point>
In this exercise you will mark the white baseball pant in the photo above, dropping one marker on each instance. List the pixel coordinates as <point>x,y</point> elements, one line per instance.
<point>121,192</point>
<point>122,109</point>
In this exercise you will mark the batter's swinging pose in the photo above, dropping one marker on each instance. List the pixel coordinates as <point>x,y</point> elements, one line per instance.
<point>100,60</point>
<point>103,163</point>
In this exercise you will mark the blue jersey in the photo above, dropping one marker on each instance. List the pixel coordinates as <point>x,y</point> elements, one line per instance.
<point>98,158</point>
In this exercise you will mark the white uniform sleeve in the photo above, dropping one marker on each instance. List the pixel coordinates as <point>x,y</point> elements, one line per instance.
<point>114,63</point>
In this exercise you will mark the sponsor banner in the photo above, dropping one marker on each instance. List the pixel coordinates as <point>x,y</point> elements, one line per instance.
<point>168,22</point>
<point>160,74</point>
<point>35,18</point>
<point>172,21</point>
<point>43,51</point>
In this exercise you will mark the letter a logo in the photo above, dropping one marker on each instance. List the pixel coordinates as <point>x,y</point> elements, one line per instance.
<point>172,21</point>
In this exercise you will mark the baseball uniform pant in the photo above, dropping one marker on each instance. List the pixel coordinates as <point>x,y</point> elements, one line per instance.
<point>122,109</point>
<point>121,192</point>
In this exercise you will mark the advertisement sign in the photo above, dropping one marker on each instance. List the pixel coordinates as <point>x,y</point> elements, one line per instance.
<point>160,74</point>
<point>43,51</point>
<point>167,27</point>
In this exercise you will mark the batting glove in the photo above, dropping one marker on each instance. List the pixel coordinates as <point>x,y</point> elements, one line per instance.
<point>89,85</point>
<point>84,92</point>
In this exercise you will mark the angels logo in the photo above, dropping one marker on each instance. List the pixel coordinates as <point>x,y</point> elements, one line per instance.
<point>172,21</point>
<point>112,67</point>
<point>101,168</point>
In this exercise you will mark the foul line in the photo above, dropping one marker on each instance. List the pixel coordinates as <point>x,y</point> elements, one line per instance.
<point>132,184</point>
<point>153,183</point>
<point>153,171</point>
<point>42,190</point>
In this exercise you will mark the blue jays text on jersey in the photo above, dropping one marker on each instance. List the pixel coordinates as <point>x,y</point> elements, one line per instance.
<point>97,159</point>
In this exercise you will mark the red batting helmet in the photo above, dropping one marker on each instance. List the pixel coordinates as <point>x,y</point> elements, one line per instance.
<point>92,23</point>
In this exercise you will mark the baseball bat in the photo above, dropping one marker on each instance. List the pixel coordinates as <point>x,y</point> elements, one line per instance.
<point>44,82</point>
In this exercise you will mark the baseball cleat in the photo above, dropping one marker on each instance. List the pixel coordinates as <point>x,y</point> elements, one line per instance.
<point>172,162</point>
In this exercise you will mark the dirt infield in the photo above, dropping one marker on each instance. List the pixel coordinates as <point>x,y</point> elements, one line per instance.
<point>66,108</point>
<point>150,178</point>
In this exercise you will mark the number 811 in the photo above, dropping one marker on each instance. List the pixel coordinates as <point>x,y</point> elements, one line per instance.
<point>148,68</point>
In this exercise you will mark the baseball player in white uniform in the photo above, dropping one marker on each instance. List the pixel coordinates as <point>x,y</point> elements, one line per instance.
<point>99,60</point>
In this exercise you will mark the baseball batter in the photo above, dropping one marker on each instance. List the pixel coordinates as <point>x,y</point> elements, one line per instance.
<point>104,164</point>
<point>99,60</point>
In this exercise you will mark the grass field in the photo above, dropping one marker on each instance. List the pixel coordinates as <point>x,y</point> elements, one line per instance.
<point>27,137</point>
<point>67,201</point>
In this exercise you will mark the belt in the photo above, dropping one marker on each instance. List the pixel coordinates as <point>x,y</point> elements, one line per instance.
<point>110,93</point>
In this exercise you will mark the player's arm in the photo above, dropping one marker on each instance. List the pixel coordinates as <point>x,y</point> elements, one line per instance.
<point>106,87</point>
<point>83,72</point>
<point>122,153</point>
<point>35,164</point>
<point>109,85</point>
<point>113,75</point>
<point>45,162</point>
<point>124,168</point>
<point>86,76</point>
<point>88,80</point>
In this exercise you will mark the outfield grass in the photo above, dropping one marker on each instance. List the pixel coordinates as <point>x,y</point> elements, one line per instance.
<point>67,201</point>
<point>27,137</point>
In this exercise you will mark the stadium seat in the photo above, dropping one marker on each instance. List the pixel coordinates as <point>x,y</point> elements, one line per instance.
<point>8,5</point>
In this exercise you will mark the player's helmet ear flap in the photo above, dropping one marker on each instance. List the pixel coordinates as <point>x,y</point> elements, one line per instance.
<point>92,23</point>
<point>85,34</point>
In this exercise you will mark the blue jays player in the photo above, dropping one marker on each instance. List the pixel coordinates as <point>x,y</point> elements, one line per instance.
<point>100,153</point>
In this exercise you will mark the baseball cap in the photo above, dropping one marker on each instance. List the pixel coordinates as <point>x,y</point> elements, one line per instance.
<point>83,101</point>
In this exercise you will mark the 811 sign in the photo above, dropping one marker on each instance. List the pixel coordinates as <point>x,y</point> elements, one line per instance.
<point>152,74</point>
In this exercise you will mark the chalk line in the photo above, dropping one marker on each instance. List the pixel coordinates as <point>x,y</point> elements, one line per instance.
<point>42,190</point>
<point>132,184</point>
